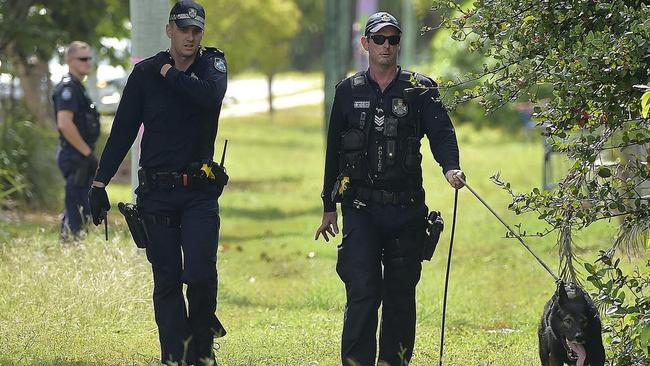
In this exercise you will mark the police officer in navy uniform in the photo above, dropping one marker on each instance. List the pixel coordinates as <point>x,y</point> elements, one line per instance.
<point>373,167</point>
<point>177,95</point>
<point>78,123</point>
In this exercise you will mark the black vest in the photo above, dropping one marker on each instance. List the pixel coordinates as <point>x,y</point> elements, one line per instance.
<point>87,118</point>
<point>381,148</point>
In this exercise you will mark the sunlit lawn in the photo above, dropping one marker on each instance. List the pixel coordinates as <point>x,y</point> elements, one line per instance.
<point>279,297</point>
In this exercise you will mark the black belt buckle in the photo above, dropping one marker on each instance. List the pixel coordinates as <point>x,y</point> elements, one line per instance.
<point>165,180</point>
<point>388,197</point>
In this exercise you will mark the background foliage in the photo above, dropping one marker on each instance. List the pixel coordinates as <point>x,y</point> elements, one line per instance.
<point>589,54</point>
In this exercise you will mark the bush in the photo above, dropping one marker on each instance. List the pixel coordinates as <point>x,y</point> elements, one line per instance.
<point>29,175</point>
<point>626,302</point>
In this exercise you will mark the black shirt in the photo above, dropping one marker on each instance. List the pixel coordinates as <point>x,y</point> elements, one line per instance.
<point>436,125</point>
<point>180,114</point>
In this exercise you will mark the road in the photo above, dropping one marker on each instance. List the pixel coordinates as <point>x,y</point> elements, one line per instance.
<point>250,96</point>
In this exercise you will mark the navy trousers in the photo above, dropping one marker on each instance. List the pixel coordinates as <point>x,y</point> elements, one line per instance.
<point>184,255</point>
<point>76,212</point>
<point>379,261</point>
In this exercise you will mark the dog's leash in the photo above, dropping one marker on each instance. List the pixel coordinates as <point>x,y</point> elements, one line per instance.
<point>444,299</point>
<point>555,278</point>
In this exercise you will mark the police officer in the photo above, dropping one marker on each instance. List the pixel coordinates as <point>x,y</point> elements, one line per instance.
<point>177,94</point>
<point>373,166</point>
<point>78,123</point>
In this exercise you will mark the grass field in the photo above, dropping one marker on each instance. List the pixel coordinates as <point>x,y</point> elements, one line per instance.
<point>279,297</point>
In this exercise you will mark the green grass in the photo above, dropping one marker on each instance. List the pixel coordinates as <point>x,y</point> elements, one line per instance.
<point>279,297</point>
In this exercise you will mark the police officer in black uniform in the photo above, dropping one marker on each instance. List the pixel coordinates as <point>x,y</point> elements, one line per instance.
<point>373,167</point>
<point>177,95</point>
<point>78,123</point>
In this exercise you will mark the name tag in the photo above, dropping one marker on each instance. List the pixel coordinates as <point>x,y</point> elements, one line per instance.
<point>362,104</point>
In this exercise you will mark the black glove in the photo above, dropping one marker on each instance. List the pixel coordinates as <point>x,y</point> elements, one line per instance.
<point>85,171</point>
<point>99,204</point>
<point>161,59</point>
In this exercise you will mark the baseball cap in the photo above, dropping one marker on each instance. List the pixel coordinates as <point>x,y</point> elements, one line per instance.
<point>379,20</point>
<point>186,13</point>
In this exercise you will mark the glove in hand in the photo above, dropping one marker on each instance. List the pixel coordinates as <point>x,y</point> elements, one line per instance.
<point>99,204</point>
<point>161,59</point>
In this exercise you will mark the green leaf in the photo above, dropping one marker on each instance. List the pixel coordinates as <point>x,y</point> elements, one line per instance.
<point>645,104</point>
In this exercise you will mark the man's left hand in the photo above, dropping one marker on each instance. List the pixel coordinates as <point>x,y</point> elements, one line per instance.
<point>452,178</point>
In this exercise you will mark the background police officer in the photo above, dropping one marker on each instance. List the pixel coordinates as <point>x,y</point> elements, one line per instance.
<point>373,165</point>
<point>78,123</point>
<point>177,94</point>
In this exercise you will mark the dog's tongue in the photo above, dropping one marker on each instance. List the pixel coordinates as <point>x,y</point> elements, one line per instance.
<point>579,349</point>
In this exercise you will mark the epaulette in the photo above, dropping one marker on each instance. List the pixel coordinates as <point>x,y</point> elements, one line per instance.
<point>212,51</point>
<point>66,79</point>
<point>359,79</point>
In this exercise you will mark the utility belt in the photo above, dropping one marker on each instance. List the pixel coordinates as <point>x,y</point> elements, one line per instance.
<point>195,176</point>
<point>384,197</point>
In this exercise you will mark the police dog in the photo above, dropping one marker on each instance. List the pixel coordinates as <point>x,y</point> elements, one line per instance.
<point>570,331</point>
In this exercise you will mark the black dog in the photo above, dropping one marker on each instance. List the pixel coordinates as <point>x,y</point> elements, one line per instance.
<point>570,331</point>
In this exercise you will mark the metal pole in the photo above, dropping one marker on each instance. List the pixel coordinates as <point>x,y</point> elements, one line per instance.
<point>409,32</point>
<point>148,19</point>
<point>337,48</point>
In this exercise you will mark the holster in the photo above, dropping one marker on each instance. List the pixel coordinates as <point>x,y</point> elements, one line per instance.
<point>433,227</point>
<point>137,226</point>
<point>220,177</point>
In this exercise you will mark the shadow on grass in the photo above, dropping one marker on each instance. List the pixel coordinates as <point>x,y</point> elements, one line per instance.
<point>56,362</point>
<point>259,184</point>
<point>230,238</point>
<point>268,214</point>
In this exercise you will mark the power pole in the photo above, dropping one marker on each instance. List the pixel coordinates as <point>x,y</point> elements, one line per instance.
<point>338,18</point>
<point>365,8</point>
<point>409,32</point>
<point>148,19</point>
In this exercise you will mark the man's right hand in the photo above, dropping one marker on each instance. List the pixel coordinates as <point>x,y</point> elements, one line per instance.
<point>161,59</point>
<point>328,226</point>
<point>99,204</point>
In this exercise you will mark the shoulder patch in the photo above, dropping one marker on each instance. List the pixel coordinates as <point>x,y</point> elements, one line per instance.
<point>66,93</point>
<point>220,64</point>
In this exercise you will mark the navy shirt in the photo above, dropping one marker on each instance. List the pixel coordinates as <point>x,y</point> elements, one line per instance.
<point>435,123</point>
<point>70,95</point>
<point>180,113</point>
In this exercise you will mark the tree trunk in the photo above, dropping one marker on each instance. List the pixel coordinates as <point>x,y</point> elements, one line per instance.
<point>34,76</point>
<point>269,78</point>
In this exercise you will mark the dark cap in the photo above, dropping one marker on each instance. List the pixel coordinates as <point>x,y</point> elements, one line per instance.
<point>186,13</point>
<point>379,20</point>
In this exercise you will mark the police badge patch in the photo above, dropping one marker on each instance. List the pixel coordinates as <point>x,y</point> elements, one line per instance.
<point>66,94</point>
<point>219,65</point>
<point>400,109</point>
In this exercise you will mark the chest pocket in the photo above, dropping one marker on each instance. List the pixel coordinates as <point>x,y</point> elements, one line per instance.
<point>353,162</point>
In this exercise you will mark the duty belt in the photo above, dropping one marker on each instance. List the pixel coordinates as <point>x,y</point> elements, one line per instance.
<point>388,197</point>
<point>152,180</point>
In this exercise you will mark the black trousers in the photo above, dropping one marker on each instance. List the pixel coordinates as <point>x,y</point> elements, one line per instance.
<point>76,214</point>
<point>185,255</point>
<point>379,261</point>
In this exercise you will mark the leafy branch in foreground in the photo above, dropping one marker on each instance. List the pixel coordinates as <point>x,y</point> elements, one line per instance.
<point>584,66</point>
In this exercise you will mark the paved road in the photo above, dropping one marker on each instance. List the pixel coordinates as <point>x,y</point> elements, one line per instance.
<point>250,96</point>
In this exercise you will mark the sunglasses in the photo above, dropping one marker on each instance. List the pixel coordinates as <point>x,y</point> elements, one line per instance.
<point>380,39</point>
<point>84,59</point>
